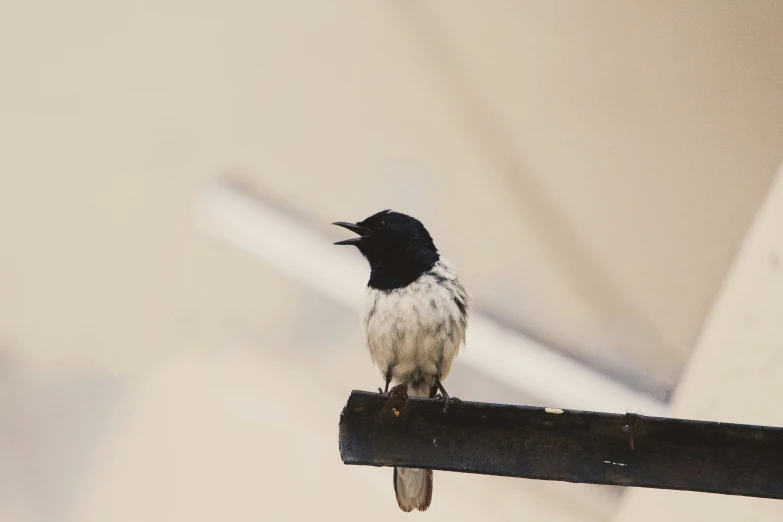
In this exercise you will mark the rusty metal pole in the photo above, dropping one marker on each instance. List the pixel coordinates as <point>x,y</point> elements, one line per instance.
<point>573,446</point>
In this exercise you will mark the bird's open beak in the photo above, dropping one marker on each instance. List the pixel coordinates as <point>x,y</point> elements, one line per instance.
<point>363,232</point>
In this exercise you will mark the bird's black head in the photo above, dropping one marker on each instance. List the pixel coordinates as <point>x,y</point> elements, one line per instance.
<point>398,248</point>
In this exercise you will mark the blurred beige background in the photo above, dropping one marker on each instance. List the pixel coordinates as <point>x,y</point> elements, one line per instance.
<point>591,168</point>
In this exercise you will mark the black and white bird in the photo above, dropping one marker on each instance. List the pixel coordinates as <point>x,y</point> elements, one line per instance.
<point>415,317</point>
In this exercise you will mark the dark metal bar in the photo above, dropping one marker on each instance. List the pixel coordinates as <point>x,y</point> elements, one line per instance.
<point>573,446</point>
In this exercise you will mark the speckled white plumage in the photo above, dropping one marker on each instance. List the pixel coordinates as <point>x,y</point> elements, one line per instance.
<point>414,333</point>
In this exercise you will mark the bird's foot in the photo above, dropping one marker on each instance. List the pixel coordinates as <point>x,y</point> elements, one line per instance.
<point>386,391</point>
<point>439,393</point>
<point>447,400</point>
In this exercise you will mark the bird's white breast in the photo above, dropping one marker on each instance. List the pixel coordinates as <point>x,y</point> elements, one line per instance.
<point>415,332</point>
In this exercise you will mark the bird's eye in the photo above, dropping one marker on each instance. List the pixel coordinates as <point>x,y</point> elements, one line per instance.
<point>382,225</point>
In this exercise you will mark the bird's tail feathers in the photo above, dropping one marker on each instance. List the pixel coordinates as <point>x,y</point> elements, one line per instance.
<point>413,487</point>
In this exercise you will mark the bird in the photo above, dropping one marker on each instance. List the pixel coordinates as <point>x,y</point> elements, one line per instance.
<point>415,317</point>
